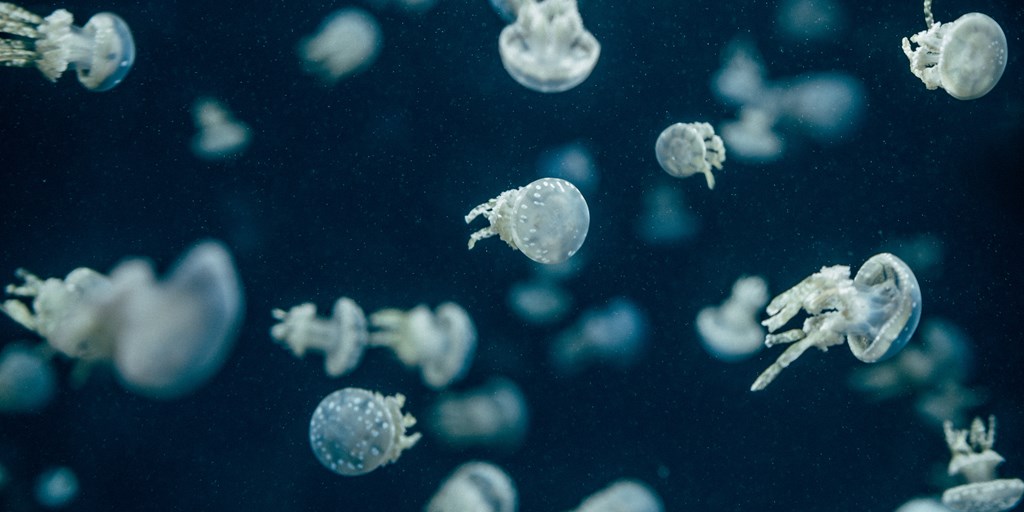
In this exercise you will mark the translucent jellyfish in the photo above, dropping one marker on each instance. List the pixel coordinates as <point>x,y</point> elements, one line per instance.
<point>975,460</point>
<point>354,431</point>
<point>824,106</point>
<point>685,149</point>
<point>342,337</point>
<point>440,343</point>
<point>507,9</point>
<point>548,219</point>
<point>547,49</point>
<point>27,382</point>
<point>665,218</point>
<point>101,52</point>
<point>614,335</point>
<point>165,338</point>
<point>220,134</point>
<point>476,487</point>
<point>494,415</point>
<point>741,80</point>
<point>573,162</point>
<point>56,487</point>
<point>810,19</point>
<point>876,313</point>
<point>730,332</point>
<point>347,42</point>
<point>924,252</point>
<point>751,137</point>
<point>923,505</point>
<point>623,496</point>
<point>966,57</point>
<point>539,301</point>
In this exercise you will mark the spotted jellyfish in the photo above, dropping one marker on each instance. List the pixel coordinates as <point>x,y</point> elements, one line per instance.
<point>342,337</point>
<point>547,220</point>
<point>966,57</point>
<point>347,42</point>
<point>477,487</point>
<point>975,460</point>
<point>440,343</point>
<point>730,332</point>
<point>494,415</point>
<point>685,149</point>
<point>101,52</point>
<point>623,496</point>
<point>547,49</point>
<point>876,313</point>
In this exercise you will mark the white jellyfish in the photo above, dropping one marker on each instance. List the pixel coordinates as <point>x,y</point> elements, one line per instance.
<point>547,220</point>
<point>539,300</point>
<point>923,505</point>
<point>751,138</point>
<point>347,42</point>
<point>741,80</point>
<point>810,19</point>
<point>547,49</point>
<point>101,52</point>
<point>573,162</point>
<point>165,338</point>
<point>685,149</point>
<point>476,487</point>
<point>342,338</point>
<point>613,335</point>
<point>975,460</point>
<point>27,381</point>
<point>730,332</point>
<point>966,57</point>
<point>493,415</point>
<point>623,496</point>
<point>56,487</point>
<point>440,343</point>
<point>220,134</point>
<point>354,431</point>
<point>876,313</point>
<point>665,218</point>
<point>824,106</point>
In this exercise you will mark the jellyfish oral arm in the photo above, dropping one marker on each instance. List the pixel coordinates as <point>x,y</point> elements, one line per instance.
<point>493,210</point>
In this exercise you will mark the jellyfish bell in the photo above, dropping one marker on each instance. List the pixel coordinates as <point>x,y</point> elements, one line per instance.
<point>894,308</point>
<point>547,49</point>
<point>825,106</point>
<point>347,42</point>
<point>685,149</point>
<point>477,487</point>
<point>112,55</point>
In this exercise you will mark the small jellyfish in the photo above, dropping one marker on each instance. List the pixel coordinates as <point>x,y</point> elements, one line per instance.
<point>547,49</point>
<point>440,343</point>
<point>730,332</point>
<point>342,338</point>
<point>966,57</point>
<point>548,219</point>
<point>101,52</point>
<point>613,335</point>
<point>475,487</point>
<point>975,460</point>
<point>810,19</point>
<point>666,219</point>
<point>539,300</point>
<point>347,42</point>
<point>685,149</point>
<point>573,162</point>
<point>876,313</point>
<point>27,382</point>
<point>623,496</point>
<point>56,487</point>
<point>751,138</point>
<point>354,431</point>
<point>494,415</point>
<point>824,106</point>
<point>220,134</point>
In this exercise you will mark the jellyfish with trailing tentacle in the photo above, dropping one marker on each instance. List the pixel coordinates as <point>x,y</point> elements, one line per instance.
<point>547,49</point>
<point>975,460</point>
<point>685,149</point>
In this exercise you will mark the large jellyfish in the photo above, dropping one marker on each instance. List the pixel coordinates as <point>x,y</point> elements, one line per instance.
<point>476,487</point>
<point>623,496</point>
<point>347,42</point>
<point>494,415</point>
<point>685,149</point>
<point>547,49</point>
<point>975,460</point>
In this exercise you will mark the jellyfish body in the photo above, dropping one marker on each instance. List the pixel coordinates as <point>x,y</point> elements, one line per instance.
<point>220,134</point>
<point>27,381</point>
<point>494,415</point>
<point>475,487</point>
<point>547,220</point>
<point>547,49</point>
<point>685,149</point>
<point>539,300</point>
<point>347,42</point>
<point>440,343</point>
<point>974,459</point>
<point>730,332</point>
<point>613,335</point>
<point>342,338</point>
<point>623,496</point>
<point>56,487</point>
<point>966,57</point>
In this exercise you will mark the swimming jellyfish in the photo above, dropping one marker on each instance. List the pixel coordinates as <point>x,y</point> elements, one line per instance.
<point>342,338</point>
<point>547,49</point>
<point>347,42</point>
<point>730,332</point>
<point>101,52</point>
<point>685,149</point>
<point>475,487</point>
<point>876,313</point>
<point>613,335</point>
<point>548,219</point>
<point>665,218</point>
<point>354,431</point>
<point>623,496</point>
<point>974,459</point>
<point>440,343</point>
<point>966,57</point>
<point>573,162</point>
<point>539,300</point>
<point>220,134</point>
<point>493,415</point>
<point>27,381</point>
<point>923,505</point>
<point>56,487</point>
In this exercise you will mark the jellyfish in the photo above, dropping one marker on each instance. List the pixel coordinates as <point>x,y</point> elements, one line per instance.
<point>824,106</point>
<point>685,149</point>
<point>923,505</point>
<point>573,162</point>
<point>101,52</point>
<point>539,300</point>
<point>354,431</point>
<point>665,218</point>
<point>615,334</point>
<point>975,460</point>
<point>810,19</point>
<point>547,49</point>
<point>876,313</point>
<point>342,338</point>
<point>347,42</point>
<point>475,487</point>
<point>56,487</point>
<point>751,138</point>
<point>495,415</point>
<point>220,134</point>
<point>440,343</point>
<point>730,332</point>
<point>547,220</point>
<point>623,496</point>
<point>966,58</point>
<point>27,381</point>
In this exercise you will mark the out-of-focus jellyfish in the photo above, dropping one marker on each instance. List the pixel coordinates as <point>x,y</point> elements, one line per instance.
<point>539,301</point>
<point>810,19</point>
<point>613,335</point>
<point>751,138</point>
<point>823,106</point>
<point>665,218</point>
<point>876,313</point>
<point>354,431</point>
<point>547,220</point>
<point>220,134</point>
<point>966,57</point>
<point>623,496</point>
<point>730,332</point>
<point>56,487</point>
<point>165,338</point>
<point>547,49</point>
<point>101,52</point>
<point>347,42</point>
<point>27,382</point>
<point>948,401</point>
<point>342,337</point>
<point>494,415</point>
<point>923,252</point>
<point>572,162</point>
<point>685,149</point>
<point>507,9</point>
<point>440,343</point>
<point>476,487</point>
<point>923,505</point>
<point>975,460</point>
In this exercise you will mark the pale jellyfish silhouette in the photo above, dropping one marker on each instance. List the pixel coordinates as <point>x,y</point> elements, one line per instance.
<point>547,49</point>
<point>220,134</point>
<point>824,106</point>
<point>810,19</point>
<point>56,487</point>
<point>342,338</point>
<point>965,57</point>
<point>547,220</point>
<point>924,252</point>
<point>665,218</point>
<point>923,505</point>
<point>730,332</point>
<point>975,460</point>
<point>623,496</point>
<point>440,343</point>
<point>875,313</point>
<point>476,487</point>
<point>573,162</point>
<point>27,381</point>
<point>613,335</point>
<point>751,138</point>
<point>539,300</point>
<point>165,338</point>
<point>685,149</point>
<point>354,431</point>
<point>507,9</point>
<point>347,42</point>
<point>494,415</point>
<point>101,52</point>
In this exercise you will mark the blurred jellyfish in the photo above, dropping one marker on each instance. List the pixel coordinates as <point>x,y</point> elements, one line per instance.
<point>948,401</point>
<point>476,487</point>
<point>539,301</point>
<point>101,52</point>
<point>730,332</point>
<point>440,343</point>
<point>220,134</point>
<point>547,49</point>
<point>751,138</point>
<point>665,218</point>
<point>975,460</point>
<point>623,496</point>
<point>494,415</point>
<point>923,505</point>
<point>56,487</point>
<point>507,9</point>
<point>810,19</point>
<point>824,106</point>
<point>354,431</point>
<point>342,338</point>
<point>165,338</point>
<point>923,252</point>
<point>347,42</point>
<point>572,162</point>
<point>685,149</point>
<point>614,335</point>
<point>875,313</point>
<point>27,382</point>
<point>741,80</point>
